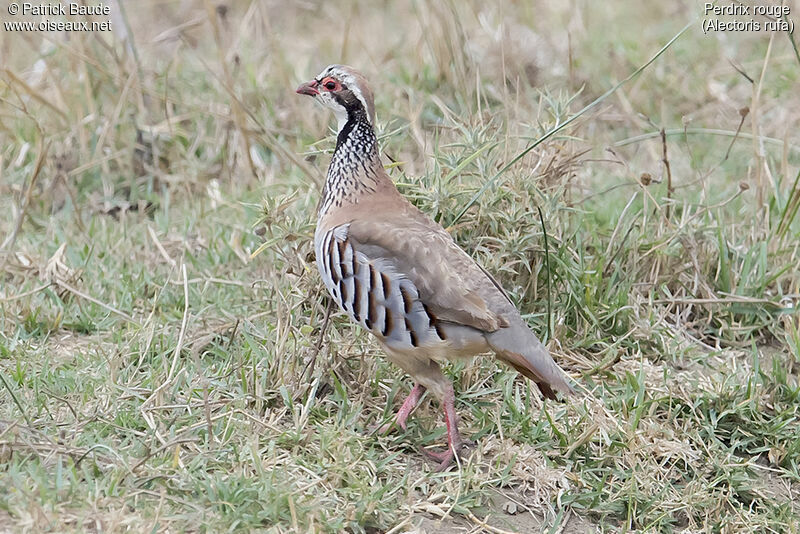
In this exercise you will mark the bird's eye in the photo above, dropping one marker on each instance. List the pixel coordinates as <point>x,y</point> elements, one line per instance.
<point>330,85</point>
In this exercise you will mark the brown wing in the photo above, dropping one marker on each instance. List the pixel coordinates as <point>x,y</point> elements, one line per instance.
<point>449,282</point>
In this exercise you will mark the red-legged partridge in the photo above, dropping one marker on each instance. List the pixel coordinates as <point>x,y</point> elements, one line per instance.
<point>401,276</point>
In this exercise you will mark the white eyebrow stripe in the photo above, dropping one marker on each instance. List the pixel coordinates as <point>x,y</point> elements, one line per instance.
<point>351,83</point>
<point>357,92</point>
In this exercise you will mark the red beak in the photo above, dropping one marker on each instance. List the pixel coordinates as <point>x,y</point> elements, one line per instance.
<point>308,88</point>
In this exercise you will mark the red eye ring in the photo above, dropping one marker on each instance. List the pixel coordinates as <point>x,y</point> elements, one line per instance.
<point>330,85</point>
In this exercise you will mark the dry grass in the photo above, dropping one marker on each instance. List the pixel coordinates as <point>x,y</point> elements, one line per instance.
<point>155,377</point>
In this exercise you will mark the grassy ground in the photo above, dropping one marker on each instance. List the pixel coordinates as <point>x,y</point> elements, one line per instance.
<point>156,377</point>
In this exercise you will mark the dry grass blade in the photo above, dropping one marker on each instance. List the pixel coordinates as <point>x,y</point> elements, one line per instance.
<point>670,132</point>
<point>16,400</point>
<point>487,527</point>
<point>11,238</point>
<point>100,303</point>
<point>33,93</point>
<point>665,161</point>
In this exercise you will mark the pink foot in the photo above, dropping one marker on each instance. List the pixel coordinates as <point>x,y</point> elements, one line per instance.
<point>405,410</point>
<point>455,444</point>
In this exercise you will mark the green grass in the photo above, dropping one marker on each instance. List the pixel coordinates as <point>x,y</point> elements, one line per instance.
<point>156,377</point>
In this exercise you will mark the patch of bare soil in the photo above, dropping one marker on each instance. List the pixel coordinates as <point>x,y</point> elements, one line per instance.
<point>508,514</point>
<point>500,521</point>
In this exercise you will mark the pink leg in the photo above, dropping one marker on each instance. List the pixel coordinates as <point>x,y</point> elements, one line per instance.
<point>405,410</point>
<point>454,440</point>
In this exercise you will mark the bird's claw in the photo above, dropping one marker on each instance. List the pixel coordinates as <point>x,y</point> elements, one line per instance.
<point>445,458</point>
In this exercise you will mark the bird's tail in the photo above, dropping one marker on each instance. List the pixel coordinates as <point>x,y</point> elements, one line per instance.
<point>519,347</point>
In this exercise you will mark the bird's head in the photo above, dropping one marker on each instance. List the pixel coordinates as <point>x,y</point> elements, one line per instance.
<point>343,90</point>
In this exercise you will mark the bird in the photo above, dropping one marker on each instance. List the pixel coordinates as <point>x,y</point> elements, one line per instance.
<point>402,277</point>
